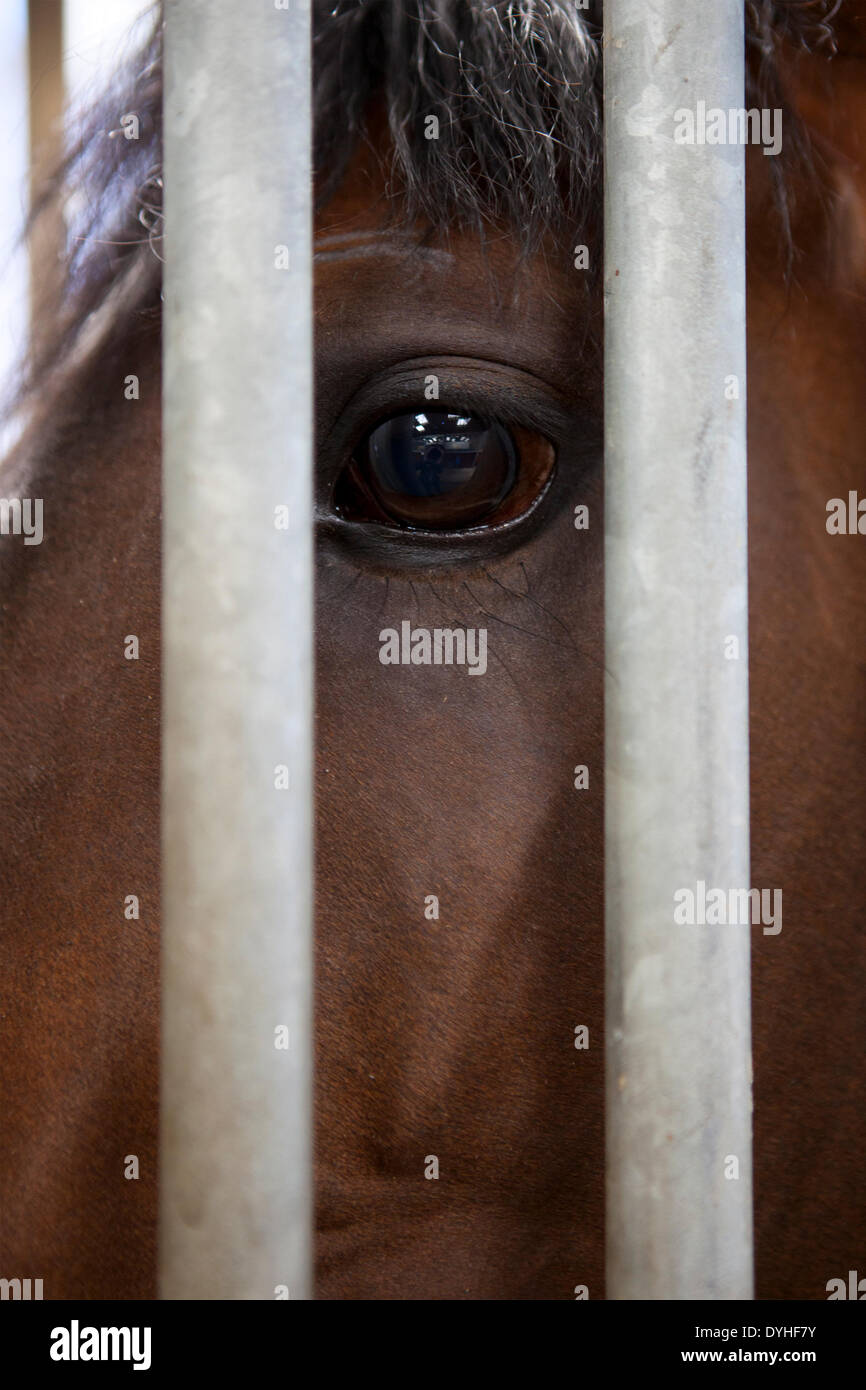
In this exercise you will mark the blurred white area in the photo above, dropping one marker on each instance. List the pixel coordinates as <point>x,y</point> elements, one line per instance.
<point>97,36</point>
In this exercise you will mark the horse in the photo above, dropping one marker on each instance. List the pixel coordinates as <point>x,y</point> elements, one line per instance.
<point>459,917</point>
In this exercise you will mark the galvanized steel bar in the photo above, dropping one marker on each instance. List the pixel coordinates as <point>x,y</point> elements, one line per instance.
<point>678,1023</point>
<point>47,241</point>
<point>235,1177</point>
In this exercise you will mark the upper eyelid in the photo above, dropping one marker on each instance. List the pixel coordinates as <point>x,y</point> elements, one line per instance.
<point>485,388</point>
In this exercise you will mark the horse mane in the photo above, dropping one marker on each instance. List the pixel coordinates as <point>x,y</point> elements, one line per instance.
<point>516,89</point>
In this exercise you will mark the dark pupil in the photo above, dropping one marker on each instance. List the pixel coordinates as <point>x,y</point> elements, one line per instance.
<point>439,469</point>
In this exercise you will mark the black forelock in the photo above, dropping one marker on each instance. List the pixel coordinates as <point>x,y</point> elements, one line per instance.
<point>493,111</point>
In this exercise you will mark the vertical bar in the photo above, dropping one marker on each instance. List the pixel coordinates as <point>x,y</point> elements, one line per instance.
<point>678,1022</point>
<point>45,76</point>
<point>15,93</point>
<point>237,653</point>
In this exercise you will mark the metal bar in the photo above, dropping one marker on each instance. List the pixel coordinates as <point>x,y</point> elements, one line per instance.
<point>45,77</point>
<point>237,654</point>
<point>677,812</point>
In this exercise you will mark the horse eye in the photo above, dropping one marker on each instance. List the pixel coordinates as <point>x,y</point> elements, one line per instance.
<point>437,470</point>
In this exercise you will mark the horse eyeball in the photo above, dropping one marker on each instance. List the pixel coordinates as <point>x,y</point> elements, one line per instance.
<point>430,470</point>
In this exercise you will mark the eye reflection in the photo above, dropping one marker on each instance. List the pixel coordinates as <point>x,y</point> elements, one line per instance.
<point>430,470</point>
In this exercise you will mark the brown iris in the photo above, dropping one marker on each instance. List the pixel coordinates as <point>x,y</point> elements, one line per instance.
<point>432,470</point>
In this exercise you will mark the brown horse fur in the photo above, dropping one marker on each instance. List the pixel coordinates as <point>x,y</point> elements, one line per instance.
<point>448,1037</point>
